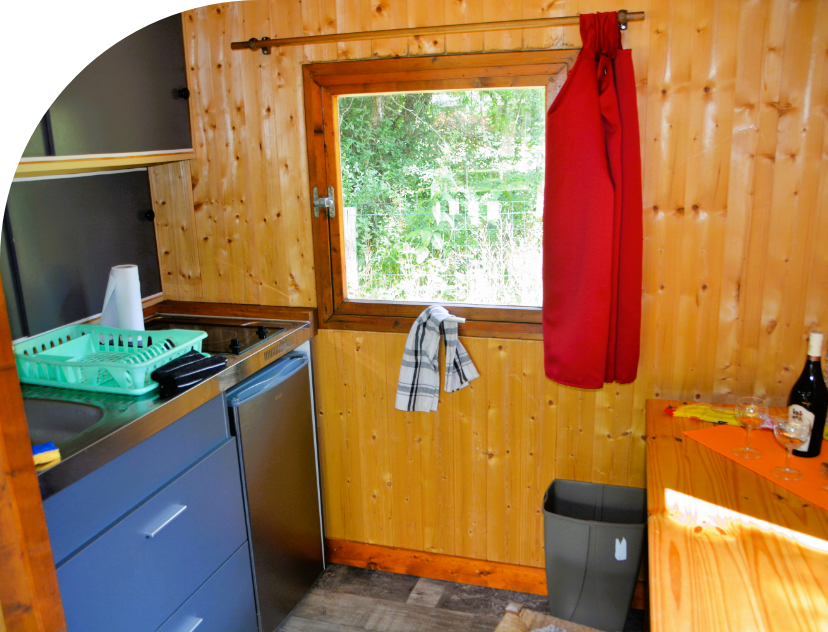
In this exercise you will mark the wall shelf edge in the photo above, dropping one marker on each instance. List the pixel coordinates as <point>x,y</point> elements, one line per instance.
<point>66,165</point>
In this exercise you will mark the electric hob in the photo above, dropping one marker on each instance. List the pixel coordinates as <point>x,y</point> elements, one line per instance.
<point>227,336</point>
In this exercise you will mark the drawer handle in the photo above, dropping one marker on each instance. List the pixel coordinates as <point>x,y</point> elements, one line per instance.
<point>191,624</point>
<point>167,518</point>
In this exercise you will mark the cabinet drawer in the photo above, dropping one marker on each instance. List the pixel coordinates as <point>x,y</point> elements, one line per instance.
<point>85,509</point>
<point>139,572</point>
<point>223,604</point>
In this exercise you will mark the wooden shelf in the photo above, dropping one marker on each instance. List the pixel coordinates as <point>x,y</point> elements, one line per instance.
<point>711,566</point>
<point>65,165</point>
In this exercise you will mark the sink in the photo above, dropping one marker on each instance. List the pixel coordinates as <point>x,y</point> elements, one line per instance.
<point>57,421</point>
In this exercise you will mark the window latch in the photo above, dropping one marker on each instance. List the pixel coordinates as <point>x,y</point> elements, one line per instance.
<point>324,202</point>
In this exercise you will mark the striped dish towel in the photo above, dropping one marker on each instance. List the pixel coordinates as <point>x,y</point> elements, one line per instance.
<point>419,385</point>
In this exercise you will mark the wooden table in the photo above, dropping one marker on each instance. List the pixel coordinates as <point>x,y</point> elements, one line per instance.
<point>711,570</point>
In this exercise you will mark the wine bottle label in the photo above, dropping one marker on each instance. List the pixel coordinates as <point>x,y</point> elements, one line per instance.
<point>802,413</point>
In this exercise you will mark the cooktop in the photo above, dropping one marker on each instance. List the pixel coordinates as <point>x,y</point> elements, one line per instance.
<point>228,336</point>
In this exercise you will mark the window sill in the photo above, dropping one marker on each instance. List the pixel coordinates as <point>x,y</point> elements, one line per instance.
<point>522,323</point>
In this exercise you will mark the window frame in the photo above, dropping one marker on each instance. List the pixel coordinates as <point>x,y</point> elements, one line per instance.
<point>323,83</point>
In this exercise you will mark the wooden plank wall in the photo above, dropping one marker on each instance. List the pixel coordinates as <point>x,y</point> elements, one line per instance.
<point>29,594</point>
<point>732,102</point>
<point>467,479</point>
<point>178,259</point>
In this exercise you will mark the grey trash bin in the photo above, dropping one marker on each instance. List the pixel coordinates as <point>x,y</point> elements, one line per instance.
<point>594,536</point>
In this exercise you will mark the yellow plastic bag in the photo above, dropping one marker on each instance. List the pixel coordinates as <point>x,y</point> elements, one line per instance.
<point>705,412</point>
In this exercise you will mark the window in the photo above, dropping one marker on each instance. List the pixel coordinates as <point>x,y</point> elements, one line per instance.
<point>437,170</point>
<point>442,195</point>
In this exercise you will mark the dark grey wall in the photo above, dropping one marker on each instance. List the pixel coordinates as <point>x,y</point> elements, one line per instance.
<point>40,144</point>
<point>10,291</point>
<point>126,99</point>
<point>69,232</point>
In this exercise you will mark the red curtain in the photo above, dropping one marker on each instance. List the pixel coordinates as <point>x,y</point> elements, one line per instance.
<point>592,233</point>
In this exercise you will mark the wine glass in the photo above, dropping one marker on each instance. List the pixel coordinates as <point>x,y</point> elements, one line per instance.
<point>751,412</point>
<point>792,432</point>
<point>825,369</point>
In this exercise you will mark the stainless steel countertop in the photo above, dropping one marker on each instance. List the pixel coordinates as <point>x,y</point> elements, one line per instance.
<point>128,421</point>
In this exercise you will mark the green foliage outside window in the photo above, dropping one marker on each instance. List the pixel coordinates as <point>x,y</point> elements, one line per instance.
<point>443,195</point>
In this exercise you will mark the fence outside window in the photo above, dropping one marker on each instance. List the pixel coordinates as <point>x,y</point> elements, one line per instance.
<point>490,254</point>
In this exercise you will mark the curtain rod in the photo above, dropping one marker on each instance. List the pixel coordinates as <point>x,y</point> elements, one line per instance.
<point>265,44</point>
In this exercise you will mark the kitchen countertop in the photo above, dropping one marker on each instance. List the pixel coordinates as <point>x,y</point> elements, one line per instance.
<point>128,421</point>
<point>713,566</point>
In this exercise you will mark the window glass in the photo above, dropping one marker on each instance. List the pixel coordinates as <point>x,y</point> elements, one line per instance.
<point>443,195</point>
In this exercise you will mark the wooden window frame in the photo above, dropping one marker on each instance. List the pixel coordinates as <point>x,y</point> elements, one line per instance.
<point>323,83</point>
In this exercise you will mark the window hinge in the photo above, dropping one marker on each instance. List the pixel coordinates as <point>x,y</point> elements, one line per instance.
<point>324,202</point>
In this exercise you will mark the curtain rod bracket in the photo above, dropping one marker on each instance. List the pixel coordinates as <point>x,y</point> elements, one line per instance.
<point>622,19</point>
<point>253,45</point>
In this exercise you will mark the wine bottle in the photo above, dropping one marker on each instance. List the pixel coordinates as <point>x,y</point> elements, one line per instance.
<point>809,397</point>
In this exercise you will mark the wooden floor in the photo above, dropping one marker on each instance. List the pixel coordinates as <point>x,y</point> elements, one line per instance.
<point>348,599</point>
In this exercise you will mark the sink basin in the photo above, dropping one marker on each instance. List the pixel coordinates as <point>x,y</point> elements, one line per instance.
<point>57,421</point>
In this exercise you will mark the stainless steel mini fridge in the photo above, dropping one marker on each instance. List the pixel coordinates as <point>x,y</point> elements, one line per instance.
<point>272,417</point>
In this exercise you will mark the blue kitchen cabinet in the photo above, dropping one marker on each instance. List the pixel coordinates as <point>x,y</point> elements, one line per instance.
<point>80,512</point>
<point>158,533</point>
<point>223,604</point>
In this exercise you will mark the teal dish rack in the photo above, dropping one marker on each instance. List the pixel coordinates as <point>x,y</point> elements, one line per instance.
<point>102,359</point>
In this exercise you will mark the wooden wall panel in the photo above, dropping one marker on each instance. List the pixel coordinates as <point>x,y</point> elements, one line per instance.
<point>733,100</point>
<point>252,207</point>
<point>469,479</point>
<point>29,594</point>
<point>175,232</point>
